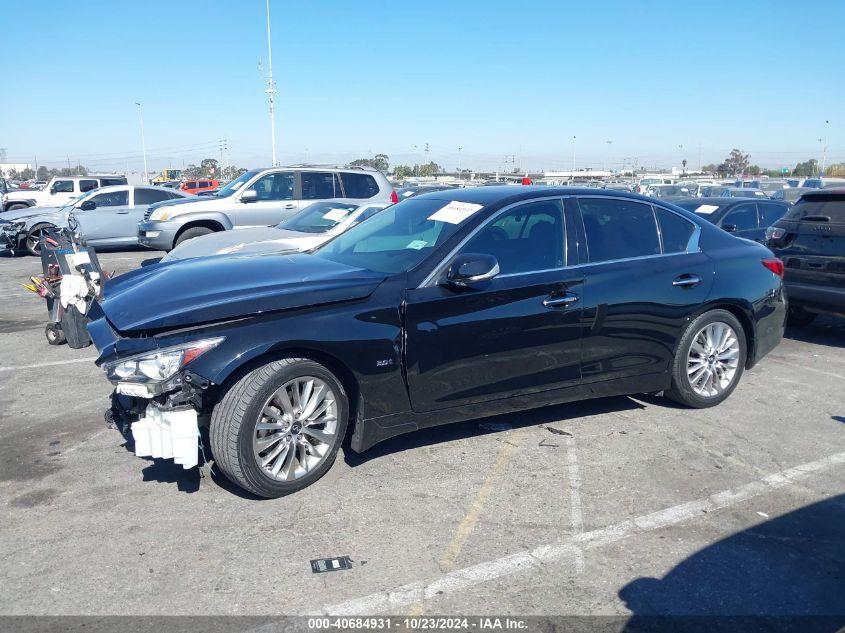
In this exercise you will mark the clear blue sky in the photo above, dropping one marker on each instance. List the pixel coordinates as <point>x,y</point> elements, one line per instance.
<point>356,78</point>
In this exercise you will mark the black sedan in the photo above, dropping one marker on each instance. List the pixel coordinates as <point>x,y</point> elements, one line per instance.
<point>741,216</point>
<point>445,307</point>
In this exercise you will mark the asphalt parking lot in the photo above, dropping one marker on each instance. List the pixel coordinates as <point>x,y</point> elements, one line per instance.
<point>619,506</point>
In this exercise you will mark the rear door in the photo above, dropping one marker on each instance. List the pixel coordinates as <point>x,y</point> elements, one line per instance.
<point>644,277</point>
<point>743,221</point>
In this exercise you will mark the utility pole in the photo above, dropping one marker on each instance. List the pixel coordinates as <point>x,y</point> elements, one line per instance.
<point>459,161</point>
<point>824,146</point>
<point>699,158</point>
<point>223,148</point>
<point>143,142</point>
<point>271,88</point>
<point>573,156</point>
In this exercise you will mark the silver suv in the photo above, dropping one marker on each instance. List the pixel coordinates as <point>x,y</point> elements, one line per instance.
<point>261,197</point>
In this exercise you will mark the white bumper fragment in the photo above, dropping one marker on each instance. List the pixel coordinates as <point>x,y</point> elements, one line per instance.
<point>168,435</point>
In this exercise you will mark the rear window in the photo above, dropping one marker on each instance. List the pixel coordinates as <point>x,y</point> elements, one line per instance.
<point>359,185</point>
<point>832,207</point>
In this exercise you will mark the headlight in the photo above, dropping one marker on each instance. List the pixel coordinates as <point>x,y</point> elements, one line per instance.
<point>72,222</point>
<point>158,367</point>
<point>160,214</point>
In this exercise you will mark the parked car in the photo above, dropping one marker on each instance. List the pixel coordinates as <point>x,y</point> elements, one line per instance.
<point>740,192</point>
<point>810,239</point>
<point>106,216</point>
<point>644,183</point>
<point>199,186</point>
<point>60,191</point>
<point>668,192</point>
<point>261,197</point>
<point>414,190</point>
<point>445,307</point>
<point>790,194</point>
<point>314,225</point>
<point>740,216</point>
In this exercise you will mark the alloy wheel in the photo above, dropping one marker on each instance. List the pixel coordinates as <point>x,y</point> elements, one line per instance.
<point>713,359</point>
<point>295,429</point>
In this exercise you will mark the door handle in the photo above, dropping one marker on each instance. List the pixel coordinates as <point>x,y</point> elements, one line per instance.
<point>122,212</point>
<point>560,302</point>
<point>290,206</point>
<point>686,281</point>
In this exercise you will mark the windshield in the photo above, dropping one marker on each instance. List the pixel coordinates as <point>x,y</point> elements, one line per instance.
<point>236,184</point>
<point>398,238</point>
<point>319,217</point>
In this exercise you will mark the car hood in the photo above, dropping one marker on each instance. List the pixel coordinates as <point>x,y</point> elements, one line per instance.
<point>190,204</point>
<point>29,212</point>
<point>203,290</point>
<point>255,241</point>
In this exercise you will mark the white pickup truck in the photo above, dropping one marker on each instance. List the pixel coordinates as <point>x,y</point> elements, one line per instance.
<point>58,192</point>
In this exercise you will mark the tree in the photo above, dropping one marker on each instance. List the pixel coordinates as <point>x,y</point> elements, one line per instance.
<point>400,172</point>
<point>192,172</point>
<point>837,169</point>
<point>710,169</point>
<point>754,170</point>
<point>379,161</point>
<point>43,173</point>
<point>806,169</point>
<point>736,163</point>
<point>429,169</point>
<point>231,172</point>
<point>209,167</point>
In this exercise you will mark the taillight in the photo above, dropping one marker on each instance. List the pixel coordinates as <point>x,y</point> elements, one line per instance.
<point>774,264</point>
<point>394,197</point>
<point>775,233</point>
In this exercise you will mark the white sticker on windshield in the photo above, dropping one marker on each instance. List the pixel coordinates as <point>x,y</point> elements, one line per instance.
<point>707,209</point>
<point>335,215</point>
<point>417,244</point>
<point>407,193</point>
<point>455,212</point>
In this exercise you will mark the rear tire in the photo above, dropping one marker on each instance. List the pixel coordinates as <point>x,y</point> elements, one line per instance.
<point>190,234</point>
<point>236,438</point>
<point>799,317</point>
<point>705,374</point>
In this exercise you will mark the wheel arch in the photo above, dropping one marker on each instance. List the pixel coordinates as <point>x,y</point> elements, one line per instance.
<point>214,225</point>
<point>743,314</point>
<point>336,366</point>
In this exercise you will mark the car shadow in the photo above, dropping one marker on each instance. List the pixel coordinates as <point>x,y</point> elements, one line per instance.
<point>558,418</point>
<point>786,573</point>
<point>825,330</point>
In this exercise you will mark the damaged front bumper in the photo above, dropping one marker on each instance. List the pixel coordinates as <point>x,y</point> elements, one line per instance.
<point>11,235</point>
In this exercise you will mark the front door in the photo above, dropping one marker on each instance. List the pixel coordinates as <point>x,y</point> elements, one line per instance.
<point>645,276</point>
<point>108,219</point>
<point>518,333</point>
<point>276,201</point>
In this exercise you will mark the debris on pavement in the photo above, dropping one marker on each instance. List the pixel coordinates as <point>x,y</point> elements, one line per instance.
<point>322,565</point>
<point>552,429</point>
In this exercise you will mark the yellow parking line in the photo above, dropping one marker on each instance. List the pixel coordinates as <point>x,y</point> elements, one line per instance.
<point>467,524</point>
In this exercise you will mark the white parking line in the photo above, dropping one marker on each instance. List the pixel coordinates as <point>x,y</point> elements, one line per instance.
<point>89,359</point>
<point>389,601</point>
<point>810,369</point>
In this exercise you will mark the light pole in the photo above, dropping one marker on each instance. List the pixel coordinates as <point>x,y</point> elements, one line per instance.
<point>271,88</point>
<point>609,143</point>
<point>143,141</point>
<point>573,157</point>
<point>459,161</point>
<point>824,146</point>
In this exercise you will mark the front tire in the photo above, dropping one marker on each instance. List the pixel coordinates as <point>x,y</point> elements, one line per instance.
<point>54,334</point>
<point>33,239</point>
<point>191,233</point>
<point>278,429</point>
<point>709,360</point>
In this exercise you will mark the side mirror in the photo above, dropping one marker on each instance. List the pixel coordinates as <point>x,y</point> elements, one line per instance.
<point>250,195</point>
<point>471,268</point>
<point>88,205</point>
<point>730,228</point>
<point>52,191</point>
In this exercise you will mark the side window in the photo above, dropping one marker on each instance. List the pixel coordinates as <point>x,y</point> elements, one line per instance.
<point>191,185</point>
<point>771,213</point>
<point>318,185</point>
<point>105,182</point>
<point>675,231</point>
<point>63,186</point>
<point>359,185</point>
<point>276,186</point>
<point>618,229</point>
<point>111,199</point>
<point>743,217</point>
<point>87,185</point>
<point>149,196</point>
<point>527,238</point>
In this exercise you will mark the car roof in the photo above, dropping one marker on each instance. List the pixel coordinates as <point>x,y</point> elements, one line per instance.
<point>508,194</point>
<point>821,194</point>
<point>719,201</point>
